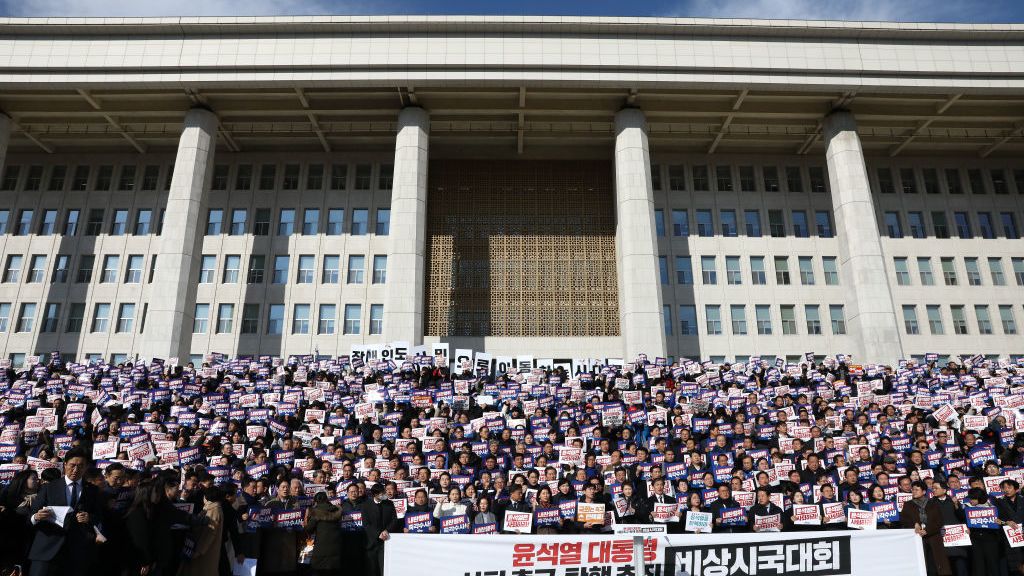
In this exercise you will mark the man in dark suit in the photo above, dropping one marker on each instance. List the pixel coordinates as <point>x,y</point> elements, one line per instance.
<point>657,496</point>
<point>379,519</point>
<point>70,549</point>
<point>516,503</point>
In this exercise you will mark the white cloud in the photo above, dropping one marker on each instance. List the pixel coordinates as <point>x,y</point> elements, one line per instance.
<point>862,10</point>
<point>179,7</point>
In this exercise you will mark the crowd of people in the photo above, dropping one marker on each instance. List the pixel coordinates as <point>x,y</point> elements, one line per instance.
<point>305,465</point>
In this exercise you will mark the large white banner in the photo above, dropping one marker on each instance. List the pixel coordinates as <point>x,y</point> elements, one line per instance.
<point>846,553</point>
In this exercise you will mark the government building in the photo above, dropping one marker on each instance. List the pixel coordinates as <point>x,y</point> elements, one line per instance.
<point>552,186</point>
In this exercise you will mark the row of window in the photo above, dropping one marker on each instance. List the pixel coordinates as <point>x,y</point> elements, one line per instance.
<point>764,324</point>
<point>912,223</point>
<point>124,322</point>
<point>119,223</point>
<point>128,177</point>
<point>758,274</point>
<point>725,178</point>
<point>948,180</point>
<point>950,275</point>
<point>958,315</point>
<point>728,224</point>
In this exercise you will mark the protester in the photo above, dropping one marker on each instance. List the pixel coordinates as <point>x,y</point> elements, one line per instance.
<point>66,545</point>
<point>205,553</point>
<point>322,520</point>
<point>379,520</point>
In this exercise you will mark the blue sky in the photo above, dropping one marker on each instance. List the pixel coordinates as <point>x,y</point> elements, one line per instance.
<point>898,10</point>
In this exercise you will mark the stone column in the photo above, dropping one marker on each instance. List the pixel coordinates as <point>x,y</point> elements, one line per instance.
<point>173,292</point>
<point>870,311</point>
<point>404,292</point>
<point>635,240</point>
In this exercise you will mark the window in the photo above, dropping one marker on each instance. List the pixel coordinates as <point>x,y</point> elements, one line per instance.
<point>208,269</point>
<point>959,320</point>
<point>5,216</point>
<point>713,319</point>
<point>788,314</point>
<point>823,224</point>
<point>104,177</point>
<point>5,314</point>
<point>24,223</point>
<point>924,270</point>
<point>666,319</point>
<point>705,226</point>
<point>747,181</point>
<point>676,178</point>
<point>709,275</point>
<point>125,318</point>
<point>12,273</point>
<point>935,320</point>
<point>916,222</point>
<point>57,177</point>
<point>984,320</point>
<point>359,220</point>
<point>838,317</point>
<point>286,223</point>
<point>133,269</point>
<point>782,270</point>
<point>326,319</point>
<point>219,181</point>
<point>908,181</point>
<point>985,227</point>
<point>828,263</point>
<point>335,221</point>
<point>973,271</point>
<point>306,269</point>
<point>48,222</point>
<point>794,179</point>
<point>738,315</point>
<point>931,180</point>
<point>353,313</point>
<point>10,181</point>
<point>280,270</point>
<point>948,271</point>
<point>817,174</point>
<point>315,177</point>
<point>300,319</point>
<point>36,269</point>
<point>976,181</point>
<point>995,269</point>
<point>953,183</point>
<point>728,221</point>
<point>60,268</point>
<point>250,318</point>
<point>127,178</point>
<point>1009,225</point>
<point>1006,318</point>
<point>27,318</point>
<point>723,177</point>
<point>214,221</point>
<point>752,219</point>
<point>963,225</point>
<point>902,271</point>
<point>382,226</point>
<point>268,174</point>
<point>813,319</point>
<point>86,263</point>
<point>684,270</point>
<point>356,264</point>
<point>757,275</point>
<point>940,225</point>
<point>143,217</point>
<point>380,268</point>
<point>339,176</point>
<point>910,319</point>
<point>770,175</point>
<point>763,317</point>
<point>238,217</point>
<point>35,178</point>
<point>364,176</point>
<point>111,264</point>
<point>892,225</point>
<point>376,319</point>
<point>687,320</point>
<point>800,224</point>
<point>663,269</point>
<point>659,222</point>
<point>806,270</point>
<point>201,320</point>
<point>700,178</point>
<point>232,266</point>
<point>290,180</point>
<point>331,266</point>
<point>76,317</point>
<point>680,223</point>
<point>310,221</point>
<point>261,224</point>
<point>100,318</point>
<point>776,224</point>
<point>733,274</point>
<point>257,268</point>
<point>51,315</point>
<point>1018,270</point>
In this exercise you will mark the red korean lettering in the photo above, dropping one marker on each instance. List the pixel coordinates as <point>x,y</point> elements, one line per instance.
<point>571,553</point>
<point>522,555</point>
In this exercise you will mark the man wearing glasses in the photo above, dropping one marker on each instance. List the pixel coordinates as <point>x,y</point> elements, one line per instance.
<point>65,514</point>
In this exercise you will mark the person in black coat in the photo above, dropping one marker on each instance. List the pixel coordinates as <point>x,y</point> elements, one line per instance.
<point>153,550</point>
<point>516,503</point>
<point>70,549</point>
<point>763,507</point>
<point>322,521</point>
<point>658,497</point>
<point>379,519</point>
<point>725,500</point>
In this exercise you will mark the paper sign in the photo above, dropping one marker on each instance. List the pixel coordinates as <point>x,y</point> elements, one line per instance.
<point>519,522</point>
<point>806,514</point>
<point>699,522</point>
<point>590,513</point>
<point>1014,536</point>
<point>955,535</point>
<point>770,523</point>
<point>981,517</point>
<point>665,512</point>
<point>861,519</point>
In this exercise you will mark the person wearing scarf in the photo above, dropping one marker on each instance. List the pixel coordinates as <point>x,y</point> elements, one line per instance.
<point>924,516</point>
